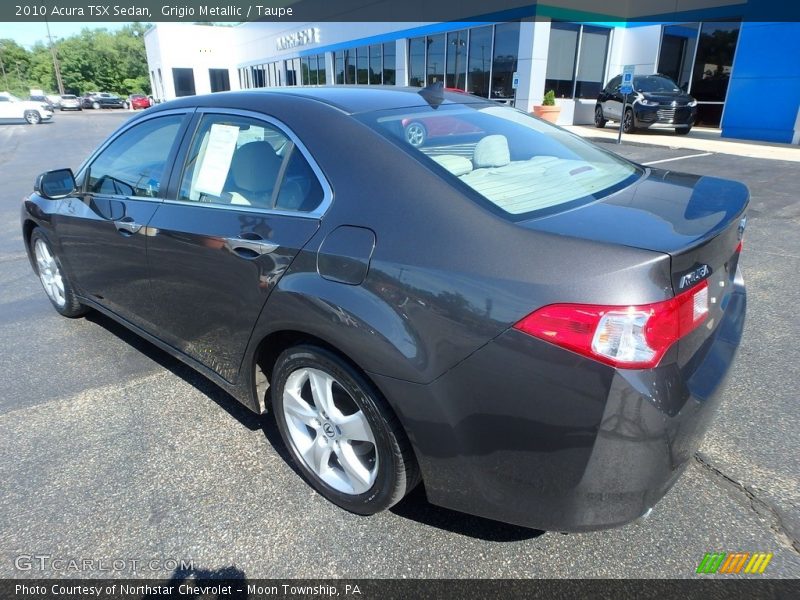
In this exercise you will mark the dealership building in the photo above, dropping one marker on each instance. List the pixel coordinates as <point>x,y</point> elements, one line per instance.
<point>744,73</point>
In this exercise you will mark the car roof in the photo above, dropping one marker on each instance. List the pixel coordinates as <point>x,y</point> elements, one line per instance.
<point>348,99</point>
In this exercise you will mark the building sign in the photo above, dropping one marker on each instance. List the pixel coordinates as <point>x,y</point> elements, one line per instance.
<point>298,38</point>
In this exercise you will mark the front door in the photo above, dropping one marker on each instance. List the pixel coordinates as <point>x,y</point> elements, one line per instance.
<point>246,202</point>
<point>103,228</point>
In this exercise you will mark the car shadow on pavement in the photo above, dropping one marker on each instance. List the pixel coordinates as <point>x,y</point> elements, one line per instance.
<point>205,386</point>
<point>416,507</point>
<point>203,583</point>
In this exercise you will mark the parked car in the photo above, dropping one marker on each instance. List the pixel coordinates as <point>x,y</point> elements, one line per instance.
<point>656,101</point>
<point>44,101</point>
<point>70,102</point>
<point>418,131</point>
<point>13,109</point>
<point>538,330</point>
<point>137,102</point>
<point>97,100</point>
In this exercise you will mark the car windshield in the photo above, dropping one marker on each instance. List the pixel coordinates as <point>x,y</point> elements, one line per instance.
<point>520,166</point>
<point>655,83</point>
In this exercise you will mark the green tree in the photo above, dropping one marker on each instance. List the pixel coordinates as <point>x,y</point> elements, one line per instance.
<point>92,60</point>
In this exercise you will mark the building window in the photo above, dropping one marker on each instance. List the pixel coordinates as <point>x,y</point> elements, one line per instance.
<point>389,67</point>
<point>220,80</point>
<point>576,60</point>
<point>592,61</point>
<point>456,74</point>
<point>561,58</point>
<point>481,60</point>
<point>416,62</point>
<point>365,65</point>
<point>184,82</point>
<point>504,62</point>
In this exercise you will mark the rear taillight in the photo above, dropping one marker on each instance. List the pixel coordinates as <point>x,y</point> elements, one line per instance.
<point>628,337</point>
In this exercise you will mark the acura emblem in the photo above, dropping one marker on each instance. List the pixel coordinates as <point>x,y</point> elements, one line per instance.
<point>674,103</point>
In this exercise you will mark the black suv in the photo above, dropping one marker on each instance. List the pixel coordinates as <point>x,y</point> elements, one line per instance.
<point>101,100</point>
<point>655,100</point>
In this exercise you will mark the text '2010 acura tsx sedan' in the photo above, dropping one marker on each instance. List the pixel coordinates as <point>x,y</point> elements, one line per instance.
<point>536,329</point>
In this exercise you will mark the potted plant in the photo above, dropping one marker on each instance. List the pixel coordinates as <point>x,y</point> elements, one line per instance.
<point>548,110</point>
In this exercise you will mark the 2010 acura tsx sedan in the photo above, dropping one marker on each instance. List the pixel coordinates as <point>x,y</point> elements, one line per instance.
<point>535,328</point>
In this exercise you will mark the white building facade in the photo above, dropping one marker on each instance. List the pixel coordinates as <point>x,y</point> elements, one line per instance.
<point>513,62</point>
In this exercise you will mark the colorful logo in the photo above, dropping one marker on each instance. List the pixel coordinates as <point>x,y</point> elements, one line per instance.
<point>734,562</point>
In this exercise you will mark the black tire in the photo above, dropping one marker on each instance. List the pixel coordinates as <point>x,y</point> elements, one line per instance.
<point>629,121</point>
<point>599,119</point>
<point>71,307</point>
<point>397,471</point>
<point>682,130</point>
<point>416,134</point>
<point>32,117</point>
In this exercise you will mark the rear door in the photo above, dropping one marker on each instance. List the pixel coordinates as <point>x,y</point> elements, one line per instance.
<point>102,229</point>
<point>245,198</point>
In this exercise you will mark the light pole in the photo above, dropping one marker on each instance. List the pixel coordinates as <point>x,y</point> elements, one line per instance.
<point>56,66</point>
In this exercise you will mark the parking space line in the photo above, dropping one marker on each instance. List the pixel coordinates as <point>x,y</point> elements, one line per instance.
<point>663,160</point>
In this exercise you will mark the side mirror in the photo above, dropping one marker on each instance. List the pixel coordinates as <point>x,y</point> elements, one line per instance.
<point>54,185</point>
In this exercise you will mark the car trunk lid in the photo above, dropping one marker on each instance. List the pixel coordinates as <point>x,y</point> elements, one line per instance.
<point>698,221</point>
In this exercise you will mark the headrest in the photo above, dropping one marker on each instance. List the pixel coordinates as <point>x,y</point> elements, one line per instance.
<point>457,165</point>
<point>255,167</point>
<point>491,151</point>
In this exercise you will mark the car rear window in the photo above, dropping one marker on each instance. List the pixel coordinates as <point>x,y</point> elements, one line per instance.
<point>519,166</point>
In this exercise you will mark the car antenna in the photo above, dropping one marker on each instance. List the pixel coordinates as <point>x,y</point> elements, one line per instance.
<point>433,93</point>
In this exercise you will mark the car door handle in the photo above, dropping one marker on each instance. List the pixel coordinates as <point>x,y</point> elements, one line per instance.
<point>127,226</point>
<point>249,248</point>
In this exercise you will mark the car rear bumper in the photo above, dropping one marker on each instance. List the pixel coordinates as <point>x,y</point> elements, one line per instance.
<point>530,434</point>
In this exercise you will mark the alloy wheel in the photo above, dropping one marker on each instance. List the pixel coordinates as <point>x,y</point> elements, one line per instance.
<point>415,134</point>
<point>331,435</point>
<point>49,273</point>
<point>33,117</point>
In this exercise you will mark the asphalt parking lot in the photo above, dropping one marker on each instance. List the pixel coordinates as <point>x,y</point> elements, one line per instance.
<point>112,449</point>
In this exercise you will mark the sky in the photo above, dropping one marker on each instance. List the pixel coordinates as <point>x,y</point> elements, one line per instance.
<point>27,34</point>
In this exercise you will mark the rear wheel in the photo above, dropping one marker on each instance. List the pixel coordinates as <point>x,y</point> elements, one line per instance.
<point>682,130</point>
<point>32,117</point>
<point>599,118</point>
<point>54,281</point>
<point>416,134</point>
<point>628,122</point>
<point>341,434</point>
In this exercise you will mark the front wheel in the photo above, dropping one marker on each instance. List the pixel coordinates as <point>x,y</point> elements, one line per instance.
<point>32,117</point>
<point>599,118</point>
<point>54,281</point>
<point>682,130</point>
<point>628,122</point>
<point>95,105</point>
<point>341,434</point>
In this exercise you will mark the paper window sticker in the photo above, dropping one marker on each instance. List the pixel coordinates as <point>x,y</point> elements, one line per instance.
<point>216,161</point>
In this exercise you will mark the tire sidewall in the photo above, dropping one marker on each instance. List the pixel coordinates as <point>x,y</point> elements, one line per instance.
<point>390,474</point>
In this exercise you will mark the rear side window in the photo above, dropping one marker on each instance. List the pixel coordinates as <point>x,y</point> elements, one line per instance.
<point>241,161</point>
<point>134,163</point>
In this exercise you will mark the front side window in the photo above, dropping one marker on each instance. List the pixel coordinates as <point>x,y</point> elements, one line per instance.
<point>135,162</point>
<point>519,166</point>
<point>237,160</point>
